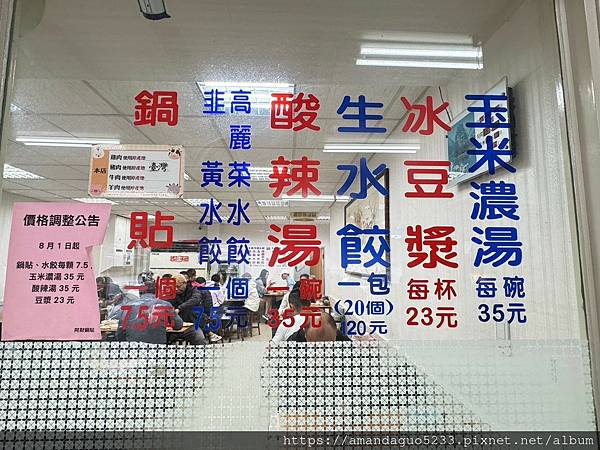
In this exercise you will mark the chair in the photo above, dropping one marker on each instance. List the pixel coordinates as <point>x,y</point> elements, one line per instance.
<point>237,315</point>
<point>254,321</point>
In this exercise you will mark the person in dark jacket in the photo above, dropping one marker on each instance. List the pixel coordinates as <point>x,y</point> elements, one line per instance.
<point>187,311</point>
<point>189,290</point>
<point>107,289</point>
<point>184,290</point>
<point>145,319</point>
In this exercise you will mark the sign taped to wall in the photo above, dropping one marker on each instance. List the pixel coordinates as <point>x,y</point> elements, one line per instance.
<point>155,171</point>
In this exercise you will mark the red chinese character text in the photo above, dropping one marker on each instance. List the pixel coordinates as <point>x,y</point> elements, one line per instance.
<point>433,173</point>
<point>424,112</point>
<point>157,106</point>
<point>437,239</point>
<point>303,172</point>
<point>296,113</point>
<point>299,245</point>
<point>417,289</point>
<point>311,289</point>
<point>139,231</point>
<point>166,288</point>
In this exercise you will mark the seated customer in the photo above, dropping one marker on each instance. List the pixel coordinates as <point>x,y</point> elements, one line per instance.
<point>285,303</point>
<point>326,332</point>
<point>216,311</point>
<point>145,320</point>
<point>188,314</point>
<point>189,288</point>
<point>252,302</point>
<point>125,299</point>
<point>107,289</point>
<point>283,331</point>
<point>217,291</point>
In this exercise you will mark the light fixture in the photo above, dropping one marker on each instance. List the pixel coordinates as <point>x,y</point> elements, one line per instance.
<point>428,50</point>
<point>196,201</point>
<point>95,200</point>
<point>272,203</point>
<point>153,9</point>
<point>65,142</point>
<point>259,93</point>
<point>14,172</point>
<point>422,54</point>
<point>324,218</point>
<point>320,198</point>
<point>277,218</point>
<point>418,64</point>
<point>371,148</point>
<point>186,177</point>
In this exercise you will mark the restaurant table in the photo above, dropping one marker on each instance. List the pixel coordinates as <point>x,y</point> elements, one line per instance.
<point>110,326</point>
<point>273,299</point>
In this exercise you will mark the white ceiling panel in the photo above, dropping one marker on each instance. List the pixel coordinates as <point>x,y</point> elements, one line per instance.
<point>23,123</point>
<point>39,195</point>
<point>43,185</point>
<point>68,192</point>
<point>121,94</point>
<point>18,154</point>
<point>193,131</point>
<point>54,171</point>
<point>78,184</point>
<point>8,185</point>
<point>98,126</point>
<point>57,96</point>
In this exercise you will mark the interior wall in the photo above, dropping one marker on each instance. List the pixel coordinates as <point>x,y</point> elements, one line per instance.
<point>545,228</point>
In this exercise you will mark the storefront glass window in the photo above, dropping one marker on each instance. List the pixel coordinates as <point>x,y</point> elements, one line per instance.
<point>383,191</point>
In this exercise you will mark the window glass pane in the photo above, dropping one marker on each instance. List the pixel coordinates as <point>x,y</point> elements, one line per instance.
<point>393,176</point>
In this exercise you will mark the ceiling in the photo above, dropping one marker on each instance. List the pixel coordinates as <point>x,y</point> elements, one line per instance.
<point>80,64</point>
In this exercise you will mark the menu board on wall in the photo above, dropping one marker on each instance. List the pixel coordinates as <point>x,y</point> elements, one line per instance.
<point>260,256</point>
<point>137,171</point>
<point>50,288</point>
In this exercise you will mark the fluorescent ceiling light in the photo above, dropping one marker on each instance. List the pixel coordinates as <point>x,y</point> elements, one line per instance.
<point>320,198</point>
<point>284,202</point>
<point>95,200</point>
<point>422,54</point>
<point>196,201</point>
<point>15,172</point>
<point>276,217</point>
<point>325,218</point>
<point>420,37</point>
<point>65,142</point>
<point>371,148</point>
<point>273,203</point>
<point>423,64</point>
<point>186,177</point>
<point>444,52</point>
